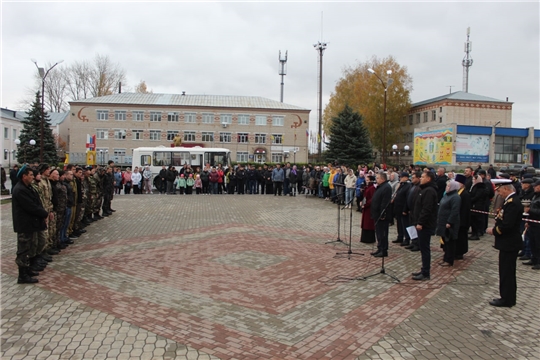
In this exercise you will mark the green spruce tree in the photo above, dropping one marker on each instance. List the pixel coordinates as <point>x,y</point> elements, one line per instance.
<point>31,130</point>
<point>349,139</point>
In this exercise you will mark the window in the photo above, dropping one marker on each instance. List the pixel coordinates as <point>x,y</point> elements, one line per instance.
<point>243,137</point>
<point>277,157</point>
<point>208,136</point>
<point>138,115</point>
<point>172,116</point>
<point>6,133</point>
<point>155,135</point>
<point>425,117</point>
<point>260,138</point>
<point>226,118</point>
<point>155,115</point>
<point>242,156</point>
<point>171,134</point>
<point>119,152</point>
<point>409,137</point>
<point>243,119</point>
<point>440,119</point>
<point>102,114</point>
<point>120,115</point>
<point>277,139</point>
<point>209,118</point>
<point>277,120</point>
<point>136,134</point>
<point>260,120</point>
<point>509,149</point>
<point>433,115</point>
<point>102,134</point>
<point>6,152</point>
<point>225,137</point>
<point>404,121</point>
<point>145,160</point>
<point>190,117</point>
<point>418,118</point>
<point>440,109</point>
<point>119,134</point>
<point>14,134</point>
<point>189,135</point>
<point>410,119</point>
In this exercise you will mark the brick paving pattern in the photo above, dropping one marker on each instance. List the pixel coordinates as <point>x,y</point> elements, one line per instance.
<point>251,277</point>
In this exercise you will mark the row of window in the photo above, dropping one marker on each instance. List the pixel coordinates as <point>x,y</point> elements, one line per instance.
<point>190,136</point>
<point>419,116</point>
<point>189,118</point>
<point>241,156</point>
<point>6,133</point>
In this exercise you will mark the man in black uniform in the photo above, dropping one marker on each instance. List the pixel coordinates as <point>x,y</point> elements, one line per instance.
<point>508,241</point>
<point>379,213</point>
<point>533,230</point>
<point>28,218</point>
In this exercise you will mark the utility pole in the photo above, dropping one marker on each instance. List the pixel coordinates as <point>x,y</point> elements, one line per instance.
<point>320,47</point>
<point>282,71</point>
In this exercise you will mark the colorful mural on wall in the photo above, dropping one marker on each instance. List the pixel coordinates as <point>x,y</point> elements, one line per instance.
<point>433,147</point>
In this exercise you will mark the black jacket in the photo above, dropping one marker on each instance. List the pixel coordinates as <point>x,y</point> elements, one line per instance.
<point>400,201</point>
<point>465,209</point>
<point>479,195</point>
<point>425,206</point>
<point>441,186</point>
<point>507,228</point>
<point>380,201</point>
<point>28,213</point>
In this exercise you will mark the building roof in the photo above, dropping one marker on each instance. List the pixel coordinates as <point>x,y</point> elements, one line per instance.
<point>460,95</point>
<point>254,102</point>
<point>13,114</point>
<point>57,118</point>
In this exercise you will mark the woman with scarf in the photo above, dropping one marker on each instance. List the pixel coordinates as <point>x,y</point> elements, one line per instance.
<point>448,222</point>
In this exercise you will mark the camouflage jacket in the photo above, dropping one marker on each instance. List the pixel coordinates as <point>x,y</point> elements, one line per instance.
<point>45,194</point>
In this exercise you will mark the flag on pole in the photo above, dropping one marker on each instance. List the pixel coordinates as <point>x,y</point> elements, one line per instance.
<point>91,142</point>
<point>307,132</point>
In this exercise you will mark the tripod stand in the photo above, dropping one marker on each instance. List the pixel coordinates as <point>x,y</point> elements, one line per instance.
<point>338,240</point>
<point>349,252</point>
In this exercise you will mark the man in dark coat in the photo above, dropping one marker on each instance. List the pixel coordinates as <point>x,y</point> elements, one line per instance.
<point>479,194</point>
<point>400,208</point>
<point>533,228</point>
<point>379,206</point>
<point>527,194</point>
<point>28,218</point>
<point>462,243</point>
<point>13,176</point>
<point>425,216</point>
<point>411,198</point>
<point>508,241</point>
<point>441,180</point>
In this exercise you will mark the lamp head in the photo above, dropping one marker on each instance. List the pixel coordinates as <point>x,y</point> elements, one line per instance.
<point>32,142</point>
<point>407,148</point>
<point>17,142</point>
<point>371,70</point>
<point>394,147</point>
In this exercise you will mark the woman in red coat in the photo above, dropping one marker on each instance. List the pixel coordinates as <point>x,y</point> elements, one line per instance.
<point>368,225</point>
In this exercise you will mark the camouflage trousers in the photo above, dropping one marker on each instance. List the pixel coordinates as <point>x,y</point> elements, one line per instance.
<point>96,204</point>
<point>72,219</point>
<point>60,218</point>
<point>25,244</point>
<point>51,232</point>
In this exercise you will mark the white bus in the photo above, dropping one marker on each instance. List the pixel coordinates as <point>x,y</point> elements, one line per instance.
<point>158,156</point>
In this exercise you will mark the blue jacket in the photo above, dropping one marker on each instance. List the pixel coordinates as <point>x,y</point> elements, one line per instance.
<point>278,175</point>
<point>359,182</point>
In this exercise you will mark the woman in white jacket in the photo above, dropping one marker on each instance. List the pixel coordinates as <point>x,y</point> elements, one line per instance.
<point>136,178</point>
<point>350,186</point>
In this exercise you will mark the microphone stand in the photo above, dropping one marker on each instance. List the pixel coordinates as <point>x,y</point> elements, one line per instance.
<point>349,252</point>
<point>338,240</point>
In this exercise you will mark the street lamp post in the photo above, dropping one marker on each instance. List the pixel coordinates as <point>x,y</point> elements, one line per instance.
<point>43,74</point>
<point>320,47</point>
<point>385,86</point>
<point>396,152</point>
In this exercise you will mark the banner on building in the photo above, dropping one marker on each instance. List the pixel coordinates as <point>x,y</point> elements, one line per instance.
<point>91,158</point>
<point>91,142</point>
<point>472,148</point>
<point>433,147</point>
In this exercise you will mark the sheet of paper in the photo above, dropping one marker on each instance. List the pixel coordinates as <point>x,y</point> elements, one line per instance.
<point>412,232</point>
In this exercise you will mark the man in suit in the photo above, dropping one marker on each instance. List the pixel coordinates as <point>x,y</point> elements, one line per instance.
<point>508,241</point>
<point>379,213</point>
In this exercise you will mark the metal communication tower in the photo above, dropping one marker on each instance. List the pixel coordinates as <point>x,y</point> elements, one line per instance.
<point>467,61</point>
<point>282,70</point>
<point>320,47</point>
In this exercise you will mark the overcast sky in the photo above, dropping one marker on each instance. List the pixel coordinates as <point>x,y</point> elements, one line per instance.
<point>232,48</point>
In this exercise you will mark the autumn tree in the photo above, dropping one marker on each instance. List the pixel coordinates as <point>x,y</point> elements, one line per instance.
<point>349,139</point>
<point>142,88</point>
<point>364,93</point>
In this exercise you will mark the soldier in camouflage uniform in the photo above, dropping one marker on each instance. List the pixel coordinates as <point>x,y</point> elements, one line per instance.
<point>95,191</point>
<point>89,200</point>
<point>77,190</point>
<point>46,199</point>
<point>108,191</point>
<point>38,253</point>
<point>79,226</point>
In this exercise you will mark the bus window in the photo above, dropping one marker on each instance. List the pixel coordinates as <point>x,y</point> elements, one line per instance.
<point>146,160</point>
<point>215,158</point>
<point>162,158</point>
<point>180,158</point>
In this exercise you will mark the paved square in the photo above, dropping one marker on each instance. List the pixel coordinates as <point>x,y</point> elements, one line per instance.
<point>245,277</point>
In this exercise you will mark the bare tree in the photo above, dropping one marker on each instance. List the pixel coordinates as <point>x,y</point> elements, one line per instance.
<point>55,91</point>
<point>142,88</point>
<point>78,80</point>
<point>105,76</point>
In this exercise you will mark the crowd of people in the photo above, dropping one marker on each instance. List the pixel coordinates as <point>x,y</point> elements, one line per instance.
<point>421,203</point>
<point>52,206</point>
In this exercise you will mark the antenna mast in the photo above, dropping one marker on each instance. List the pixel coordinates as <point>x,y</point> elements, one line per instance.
<point>282,70</point>
<point>320,47</point>
<point>467,61</point>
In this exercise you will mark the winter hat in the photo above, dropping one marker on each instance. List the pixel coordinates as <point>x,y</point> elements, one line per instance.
<point>181,175</point>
